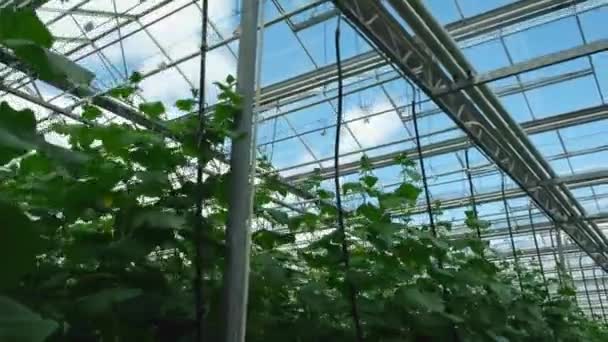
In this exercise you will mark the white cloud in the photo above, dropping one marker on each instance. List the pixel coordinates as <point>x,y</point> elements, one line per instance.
<point>376,130</point>
<point>178,34</point>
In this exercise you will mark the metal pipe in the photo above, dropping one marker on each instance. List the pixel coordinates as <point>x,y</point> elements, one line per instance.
<point>238,237</point>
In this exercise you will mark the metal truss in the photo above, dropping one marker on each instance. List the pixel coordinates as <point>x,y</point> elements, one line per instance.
<point>475,110</point>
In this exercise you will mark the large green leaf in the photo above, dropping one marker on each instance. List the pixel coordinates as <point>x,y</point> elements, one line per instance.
<point>268,239</point>
<point>154,218</point>
<point>278,216</point>
<point>18,136</point>
<point>48,65</point>
<point>429,301</point>
<point>407,191</point>
<point>152,109</point>
<point>91,112</point>
<point>17,132</point>
<point>20,324</point>
<point>185,105</point>
<point>19,244</point>
<point>23,24</point>
<point>103,301</point>
<point>22,32</point>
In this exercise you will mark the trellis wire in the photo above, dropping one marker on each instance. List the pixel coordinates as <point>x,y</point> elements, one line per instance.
<point>540,260</point>
<point>345,253</point>
<point>198,217</point>
<point>511,237</point>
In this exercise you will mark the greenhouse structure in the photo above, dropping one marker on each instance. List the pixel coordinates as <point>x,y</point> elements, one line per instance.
<point>304,170</point>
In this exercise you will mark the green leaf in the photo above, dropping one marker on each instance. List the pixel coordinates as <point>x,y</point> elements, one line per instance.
<point>136,77</point>
<point>407,191</point>
<point>388,201</point>
<point>23,24</point>
<point>313,295</point>
<point>103,301</point>
<point>452,317</point>
<point>91,112</point>
<point>19,244</point>
<point>370,211</point>
<point>270,267</point>
<point>62,155</point>
<point>29,39</point>
<point>17,132</point>
<point>186,105</point>
<point>268,239</point>
<point>152,109</point>
<point>352,187</point>
<point>324,194</point>
<point>308,220</point>
<point>122,92</point>
<point>366,164</point>
<point>153,218</point>
<point>369,181</point>
<point>279,216</point>
<point>385,231</point>
<point>20,324</point>
<point>429,301</point>
<point>403,160</point>
<point>48,65</point>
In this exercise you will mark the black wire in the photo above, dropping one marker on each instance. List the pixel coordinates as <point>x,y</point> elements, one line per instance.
<point>540,261</point>
<point>555,257</point>
<point>472,192</point>
<point>510,227</point>
<point>198,217</point>
<point>580,264</point>
<point>599,295</point>
<point>345,253</point>
<point>427,195</point>
<point>605,293</point>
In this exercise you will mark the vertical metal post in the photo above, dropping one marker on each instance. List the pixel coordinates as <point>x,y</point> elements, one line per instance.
<point>238,238</point>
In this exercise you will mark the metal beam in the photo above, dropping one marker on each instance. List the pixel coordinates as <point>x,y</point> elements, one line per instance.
<point>87,12</point>
<point>581,177</point>
<point>509,15</point>
<point>477,113</point>
<point>494,196</point>
<point>453,145</point>
<point>314,20</point>
<point>526,66</point>
<point>318,78</point>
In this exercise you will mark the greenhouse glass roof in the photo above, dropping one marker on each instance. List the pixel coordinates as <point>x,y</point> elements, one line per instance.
<point>545,61</point>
